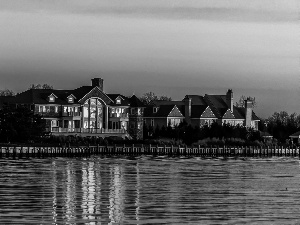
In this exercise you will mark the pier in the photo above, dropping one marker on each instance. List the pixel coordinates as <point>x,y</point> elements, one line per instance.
<point>19,152</point>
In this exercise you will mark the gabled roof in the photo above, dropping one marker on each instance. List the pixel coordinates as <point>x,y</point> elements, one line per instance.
<point>86,92</point>
<point>295,135</point>
<point>201,111</point>
<point>163,111</point>
<point>240,113</point>
<point>175,112</point>
<point>52,94</point>
<point>71,95</point>
<point>124,100</point>
<point>40,96</point>
<point>228,114</point>
<point>135,102</point>
<point>218,101</point>
<point>265,134</point>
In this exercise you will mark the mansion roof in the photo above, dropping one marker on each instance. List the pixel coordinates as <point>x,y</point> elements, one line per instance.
<point>215,104</point>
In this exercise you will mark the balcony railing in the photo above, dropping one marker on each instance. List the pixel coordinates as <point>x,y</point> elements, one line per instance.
<point>86,130</point>
<point>119,115</point>
<point>70,113</point>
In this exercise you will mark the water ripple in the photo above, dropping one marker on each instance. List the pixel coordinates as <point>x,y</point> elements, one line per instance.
<point>149,190</point>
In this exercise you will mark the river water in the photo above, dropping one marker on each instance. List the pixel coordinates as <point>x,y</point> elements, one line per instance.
<point>149,190</point>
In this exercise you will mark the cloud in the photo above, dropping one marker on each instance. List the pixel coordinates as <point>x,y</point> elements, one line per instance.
<point>226,10</point>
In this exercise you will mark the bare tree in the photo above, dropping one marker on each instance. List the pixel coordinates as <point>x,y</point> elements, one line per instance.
<point>149,97</point>
<point>40,86</point>
<point>241,102</point>
<point>7,92</point>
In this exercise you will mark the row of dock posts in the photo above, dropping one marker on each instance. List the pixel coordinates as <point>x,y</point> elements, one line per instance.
<point>154,150</point>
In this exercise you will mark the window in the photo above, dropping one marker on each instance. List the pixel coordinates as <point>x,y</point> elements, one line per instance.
<point>51,99</point>
<point>40,108</point>
<point>132,111</point>
<point>118,101</point>
<point>93,101</point>
<point>54,123</point>
<point>70,99</point>
<point>56,109</point>
<point>85,112</point>
<point>155,109</point>
<point>152,122</point>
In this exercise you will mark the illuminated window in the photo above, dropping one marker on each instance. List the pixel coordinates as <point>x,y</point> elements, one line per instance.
<point>53,123</point>
<point>118,101</point>
<point>70,100</point>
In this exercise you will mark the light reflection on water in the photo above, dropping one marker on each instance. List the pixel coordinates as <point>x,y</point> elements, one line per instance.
<point>149,190</point>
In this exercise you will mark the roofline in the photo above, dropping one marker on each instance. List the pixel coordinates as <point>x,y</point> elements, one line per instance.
<point>210,110</point>
<point>53,95</point>
<point>173,109</point>
<point>99,90</point>
<point>72,95</point>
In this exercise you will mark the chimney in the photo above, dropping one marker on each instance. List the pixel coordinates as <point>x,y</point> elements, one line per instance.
<point>187,109</point>
<point>97,82</point>
<point>229,99</point>
<point>248,112</point>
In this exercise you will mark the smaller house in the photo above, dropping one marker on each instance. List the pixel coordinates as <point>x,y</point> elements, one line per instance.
<point>295,138</point>
<point>266,136</point>
<point>163,113</point>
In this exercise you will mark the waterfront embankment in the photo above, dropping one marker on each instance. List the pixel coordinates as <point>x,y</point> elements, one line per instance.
<point>17,152</point>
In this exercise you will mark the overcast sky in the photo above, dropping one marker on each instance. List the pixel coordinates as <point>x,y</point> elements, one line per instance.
<point>170,47</point>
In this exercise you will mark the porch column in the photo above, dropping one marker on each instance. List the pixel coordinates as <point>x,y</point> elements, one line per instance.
<point>106,117</point>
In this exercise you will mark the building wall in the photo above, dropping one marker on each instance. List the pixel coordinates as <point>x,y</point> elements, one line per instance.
<point>233,122</point>
<point>136,123</point>
<point>157,122</point>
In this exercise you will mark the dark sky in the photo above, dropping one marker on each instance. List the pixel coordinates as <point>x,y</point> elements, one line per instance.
<point>171,47</point>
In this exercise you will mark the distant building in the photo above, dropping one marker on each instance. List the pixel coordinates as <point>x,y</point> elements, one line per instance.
<point>201,110</point>
<point>295,138</point>
<point>88,111</point>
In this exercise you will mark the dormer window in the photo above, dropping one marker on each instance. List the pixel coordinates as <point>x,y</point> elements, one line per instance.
<point>51,98</point>
<point>70,100</point>
<point>118,101</point>
<point>155,109</point>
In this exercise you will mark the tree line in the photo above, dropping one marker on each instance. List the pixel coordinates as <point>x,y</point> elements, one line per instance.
<point>281,125</point>
<point>8,92</point>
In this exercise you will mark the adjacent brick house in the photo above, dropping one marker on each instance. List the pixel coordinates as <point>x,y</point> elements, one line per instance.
<point>200,110</point>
